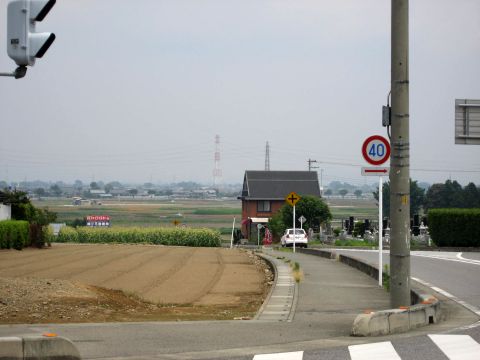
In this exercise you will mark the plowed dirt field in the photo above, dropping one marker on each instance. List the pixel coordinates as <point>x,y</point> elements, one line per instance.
<point>87,283</point>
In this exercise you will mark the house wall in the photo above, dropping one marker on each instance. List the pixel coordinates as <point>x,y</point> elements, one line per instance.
<point>5,212</point>
<point>249,210</point>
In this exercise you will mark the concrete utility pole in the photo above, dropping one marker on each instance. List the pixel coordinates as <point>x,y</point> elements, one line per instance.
<point>400,160</point>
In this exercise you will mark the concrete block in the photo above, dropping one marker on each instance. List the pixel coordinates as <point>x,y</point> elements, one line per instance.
<point>11,348</point>
<point>418,318</point>
<point>373,324</point>
<point>41,347</point>
<point>398,321</point>
<point>379,324</point>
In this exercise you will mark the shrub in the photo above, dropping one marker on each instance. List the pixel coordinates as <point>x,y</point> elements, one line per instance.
<point>67,234</point>
<point>13,234</point>
<point>455,227</point>
<point>359,229</point>
<point>135,235</point>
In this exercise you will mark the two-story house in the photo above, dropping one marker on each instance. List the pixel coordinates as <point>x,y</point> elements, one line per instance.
<point>264,194</point>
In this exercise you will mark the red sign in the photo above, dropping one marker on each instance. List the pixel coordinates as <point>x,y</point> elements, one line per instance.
<point>98,218</point>
<point>376,150</point>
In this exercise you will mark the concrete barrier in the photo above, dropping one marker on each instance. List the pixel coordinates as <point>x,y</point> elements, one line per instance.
<point>38,348</point>
<point>425,309</point>
<point>394,321</point>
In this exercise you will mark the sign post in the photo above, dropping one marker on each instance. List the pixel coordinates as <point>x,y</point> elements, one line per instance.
<point>302,220</point>
<point>380,231</point>
<point>233,228</point>
<point>292,199</point>
<point>376,151</point>
<point>259,226</point>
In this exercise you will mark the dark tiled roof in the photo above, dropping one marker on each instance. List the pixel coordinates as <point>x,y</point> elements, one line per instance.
<point>276,185</point>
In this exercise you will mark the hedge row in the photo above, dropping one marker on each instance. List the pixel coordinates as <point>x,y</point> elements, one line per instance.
<point>14,234</point>
<point>455,227</point>
<point>158,236</point>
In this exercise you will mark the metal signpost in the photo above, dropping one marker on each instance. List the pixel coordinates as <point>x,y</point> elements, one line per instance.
<point>292,199</point>
<point>376,151</point>
<point>233,229</point>
<point>259,226</point>
<point>302,220</point>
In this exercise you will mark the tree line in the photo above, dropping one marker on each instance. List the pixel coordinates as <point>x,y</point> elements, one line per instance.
<point>438,196</point>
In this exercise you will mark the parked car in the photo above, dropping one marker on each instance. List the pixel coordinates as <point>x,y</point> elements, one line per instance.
<point>301,238</point>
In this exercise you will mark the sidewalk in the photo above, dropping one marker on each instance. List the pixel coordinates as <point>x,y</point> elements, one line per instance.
<point>331,294</point>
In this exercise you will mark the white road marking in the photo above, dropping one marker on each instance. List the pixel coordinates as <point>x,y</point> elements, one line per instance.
<point>375,351</point>
<point>446,258</point>
<point>297,355</point>
<point>470,307</point>
<point>459,256</point>
<point>457,347</point>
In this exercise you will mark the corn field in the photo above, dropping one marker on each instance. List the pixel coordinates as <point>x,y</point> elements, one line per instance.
<point>135,235</point>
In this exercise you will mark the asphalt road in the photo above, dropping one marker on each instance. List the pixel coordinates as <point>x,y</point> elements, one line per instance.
<point>453,272</point>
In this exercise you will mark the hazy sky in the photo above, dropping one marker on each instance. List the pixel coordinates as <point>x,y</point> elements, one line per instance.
<point>137,90</point>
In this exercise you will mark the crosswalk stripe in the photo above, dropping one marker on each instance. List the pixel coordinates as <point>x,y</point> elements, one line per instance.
<point>380,351</point>
<point>297,355</point>
<point>457,347</point>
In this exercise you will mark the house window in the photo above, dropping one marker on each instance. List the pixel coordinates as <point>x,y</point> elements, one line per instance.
<point>263,206</point>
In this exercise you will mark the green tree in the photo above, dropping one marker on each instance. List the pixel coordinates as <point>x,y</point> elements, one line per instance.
<point>94,186</point>
<point>385,198</point>
<point>471,196</point>
<point>436,197</point>
<point>55,189</point>
<point>454,194</point>
<point>417,198</point>
<point>343,192</point>
<point>276,226</point>
<point>328,192</point>
<point>108,188</point>
<point>358,193</point>
<point>314,209</point>
<point>40,192</point>
<point>22,209</point>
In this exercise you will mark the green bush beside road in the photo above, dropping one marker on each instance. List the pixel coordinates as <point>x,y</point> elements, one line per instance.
<point>135,235</point>
<point>455,227</point>
<point>14,234</point>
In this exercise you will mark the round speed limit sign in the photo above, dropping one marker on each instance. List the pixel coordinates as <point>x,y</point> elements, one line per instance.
<point>376,150</point>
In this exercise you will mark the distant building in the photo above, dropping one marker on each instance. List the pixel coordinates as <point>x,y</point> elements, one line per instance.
<point>264,194</point>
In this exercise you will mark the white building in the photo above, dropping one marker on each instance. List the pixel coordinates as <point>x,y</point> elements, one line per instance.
<point>5,212</point>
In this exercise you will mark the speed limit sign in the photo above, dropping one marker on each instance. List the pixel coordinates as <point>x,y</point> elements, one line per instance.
<point>376,150</point>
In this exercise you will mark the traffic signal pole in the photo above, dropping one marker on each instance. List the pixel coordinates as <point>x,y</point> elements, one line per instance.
<point>400,160</point>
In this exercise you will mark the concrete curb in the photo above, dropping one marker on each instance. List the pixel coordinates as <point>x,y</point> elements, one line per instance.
<point>37,347</point>
<point>395,321</point>
<point>425,310</point>
<point>273,267</point>
<point>281,302</point>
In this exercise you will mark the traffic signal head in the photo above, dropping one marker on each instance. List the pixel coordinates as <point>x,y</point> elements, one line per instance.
<point>24,44</point>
